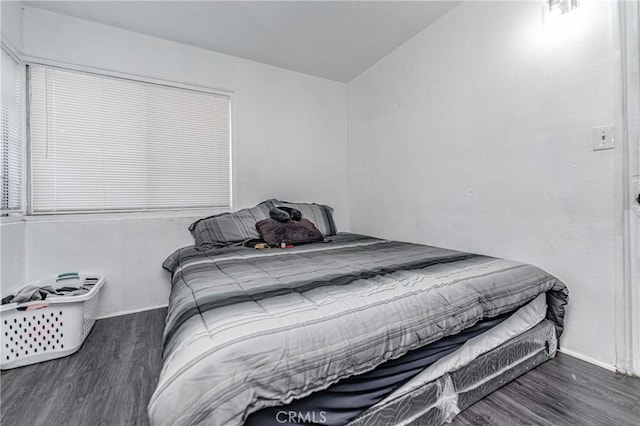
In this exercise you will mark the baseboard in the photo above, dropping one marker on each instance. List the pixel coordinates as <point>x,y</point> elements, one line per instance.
<point>588,359</point>
<point>132,311</point>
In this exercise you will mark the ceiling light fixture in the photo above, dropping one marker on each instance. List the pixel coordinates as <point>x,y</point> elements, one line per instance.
<point>562,6</point>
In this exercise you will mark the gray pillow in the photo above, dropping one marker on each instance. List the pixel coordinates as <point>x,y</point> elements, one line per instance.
<point>230,228</point>
<point>320,215</point>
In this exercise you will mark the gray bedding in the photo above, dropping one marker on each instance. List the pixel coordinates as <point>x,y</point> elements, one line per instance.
<point>344,401</point>
<point>249,329</point>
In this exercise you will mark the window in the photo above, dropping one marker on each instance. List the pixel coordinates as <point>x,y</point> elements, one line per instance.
<point>101,144</point>
<point>11,143</point>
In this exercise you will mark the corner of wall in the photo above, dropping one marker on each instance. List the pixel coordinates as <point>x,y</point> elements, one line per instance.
<point>11,24</point>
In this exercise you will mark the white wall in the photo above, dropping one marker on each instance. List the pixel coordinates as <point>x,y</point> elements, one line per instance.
<point>476,135</point>
<point>12,256</point>
<point>129,252</point>
<point>290,143</point>
<point>11,23</point>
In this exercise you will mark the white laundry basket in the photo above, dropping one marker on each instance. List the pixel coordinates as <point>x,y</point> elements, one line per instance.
<point>54,331</point>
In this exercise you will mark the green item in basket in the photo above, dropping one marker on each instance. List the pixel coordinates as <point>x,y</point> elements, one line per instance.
<point>67,275</point>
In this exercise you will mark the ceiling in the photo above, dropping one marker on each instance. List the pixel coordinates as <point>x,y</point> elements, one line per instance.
<point>337,40</point>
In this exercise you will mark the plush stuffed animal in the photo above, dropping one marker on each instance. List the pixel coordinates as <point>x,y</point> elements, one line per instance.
<point>285,214</point>
<point>286,225</point>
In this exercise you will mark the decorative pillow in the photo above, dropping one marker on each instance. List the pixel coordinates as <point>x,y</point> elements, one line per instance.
<point>320,215</point>
<point>229,228</point>
<point>274,232</point>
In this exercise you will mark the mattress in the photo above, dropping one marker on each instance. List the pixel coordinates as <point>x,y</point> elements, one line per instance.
<point>344,401</point>
<point>249,329</point>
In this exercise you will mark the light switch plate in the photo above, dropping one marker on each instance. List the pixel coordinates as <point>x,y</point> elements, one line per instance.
<point>603,137</point>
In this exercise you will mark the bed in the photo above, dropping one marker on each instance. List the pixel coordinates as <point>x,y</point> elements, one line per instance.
<point>413,334</point>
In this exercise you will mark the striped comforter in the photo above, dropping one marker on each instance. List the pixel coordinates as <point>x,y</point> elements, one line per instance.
<point>247,329</point>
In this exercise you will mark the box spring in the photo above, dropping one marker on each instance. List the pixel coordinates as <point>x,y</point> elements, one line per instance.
<point>438,401</point>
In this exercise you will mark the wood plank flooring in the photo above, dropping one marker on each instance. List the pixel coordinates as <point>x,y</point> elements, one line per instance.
<point>110,380</point>
<point>562,391</point>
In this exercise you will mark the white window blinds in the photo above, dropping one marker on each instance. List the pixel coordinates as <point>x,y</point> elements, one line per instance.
<point>107,144</point>
<point>11,143</point>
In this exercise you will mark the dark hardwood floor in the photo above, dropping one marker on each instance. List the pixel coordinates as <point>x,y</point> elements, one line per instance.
<point>562,391</point>
<point>110,380</point>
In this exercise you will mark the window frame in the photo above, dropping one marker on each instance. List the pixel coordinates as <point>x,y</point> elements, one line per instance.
<point>28,212</point>
<point>12,215</point>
